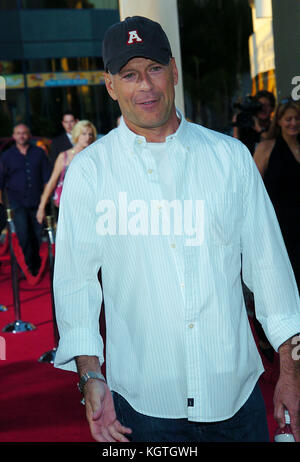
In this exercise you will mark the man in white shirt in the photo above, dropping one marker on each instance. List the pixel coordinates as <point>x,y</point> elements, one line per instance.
<point>171,212</point>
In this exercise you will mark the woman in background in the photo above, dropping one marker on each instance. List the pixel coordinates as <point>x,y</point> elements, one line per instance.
<point>83,134</point>
<point>278,160</point>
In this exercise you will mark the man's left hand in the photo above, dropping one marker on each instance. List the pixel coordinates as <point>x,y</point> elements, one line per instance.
<point>287,392</point>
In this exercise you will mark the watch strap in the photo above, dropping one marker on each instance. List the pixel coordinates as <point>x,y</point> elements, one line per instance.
<point>89,375</point>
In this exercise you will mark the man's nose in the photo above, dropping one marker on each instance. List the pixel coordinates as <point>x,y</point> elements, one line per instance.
<point>145,82</point>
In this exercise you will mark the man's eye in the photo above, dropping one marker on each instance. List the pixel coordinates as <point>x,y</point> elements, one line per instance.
<point>156,68</point>
<point>128,76</point>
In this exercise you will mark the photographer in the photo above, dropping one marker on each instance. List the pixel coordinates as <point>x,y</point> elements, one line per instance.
<point>253,118</point>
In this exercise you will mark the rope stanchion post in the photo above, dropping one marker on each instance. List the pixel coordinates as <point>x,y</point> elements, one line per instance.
<point>18,325</point>
<point>3,308</point>
<point>49,356</point>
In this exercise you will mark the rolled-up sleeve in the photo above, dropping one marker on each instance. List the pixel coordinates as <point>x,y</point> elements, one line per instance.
<point>77,291</point>
<point>266,268</point>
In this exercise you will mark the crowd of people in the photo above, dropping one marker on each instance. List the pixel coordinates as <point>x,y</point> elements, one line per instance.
<point>31,180</point>
<point>179,353</point>
<point>273,138</point>
<point>181,364</point>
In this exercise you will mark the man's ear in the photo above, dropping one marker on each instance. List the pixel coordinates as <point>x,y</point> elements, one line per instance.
<point>109,83</point>
<point>174,71</point>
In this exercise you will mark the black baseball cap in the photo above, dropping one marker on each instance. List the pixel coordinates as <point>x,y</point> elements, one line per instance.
<point>134,37</point>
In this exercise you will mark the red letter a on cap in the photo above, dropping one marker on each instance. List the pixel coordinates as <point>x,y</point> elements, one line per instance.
<point>133,37</point>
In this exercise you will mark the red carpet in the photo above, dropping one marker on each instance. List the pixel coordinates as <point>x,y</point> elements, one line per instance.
<point>39,403</point>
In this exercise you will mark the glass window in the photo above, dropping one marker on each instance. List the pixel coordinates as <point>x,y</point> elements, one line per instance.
<point>8,4</point>
<point>105,4</point>
<point>10,67</point>
<point>38,65</point>
<point>38,4</point>
<point>43,107</point>
<point>81,64</point>
<point>90,63</point>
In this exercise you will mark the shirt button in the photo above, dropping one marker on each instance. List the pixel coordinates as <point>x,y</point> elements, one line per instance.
<point>139,141</point>
<point>191,326</point>
<point>173,246</point>
<point>149,170</point>
<point>181,284</point>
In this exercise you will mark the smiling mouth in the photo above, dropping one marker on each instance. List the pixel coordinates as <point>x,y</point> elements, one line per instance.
<point>148,103</point>
<point>148,100</point>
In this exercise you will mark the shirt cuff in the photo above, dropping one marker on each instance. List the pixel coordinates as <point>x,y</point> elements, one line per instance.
<point>77,342</point>
<point>279,330</point>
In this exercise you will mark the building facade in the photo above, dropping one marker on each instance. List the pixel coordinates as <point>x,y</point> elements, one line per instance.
<point>261,47</point>
<point>50,59</point>
<point>274,47</point>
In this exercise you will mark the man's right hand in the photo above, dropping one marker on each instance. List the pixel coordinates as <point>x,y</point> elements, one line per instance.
<point>101,415</point>
<point>256,125</point>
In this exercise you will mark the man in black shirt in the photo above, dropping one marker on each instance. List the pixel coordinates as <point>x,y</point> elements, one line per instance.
<point>64,141</point>
<point>24,171</point>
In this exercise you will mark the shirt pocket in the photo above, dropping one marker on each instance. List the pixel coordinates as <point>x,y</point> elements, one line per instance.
<point>222,219</point>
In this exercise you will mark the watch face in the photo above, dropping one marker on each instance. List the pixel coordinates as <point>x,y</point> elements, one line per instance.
<point>83,379</point>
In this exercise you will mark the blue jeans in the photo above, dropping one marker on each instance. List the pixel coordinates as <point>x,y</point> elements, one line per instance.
<point>249,424</point>
<point>29,233</point>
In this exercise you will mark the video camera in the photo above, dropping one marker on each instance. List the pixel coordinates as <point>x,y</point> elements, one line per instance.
<point>248,108</point>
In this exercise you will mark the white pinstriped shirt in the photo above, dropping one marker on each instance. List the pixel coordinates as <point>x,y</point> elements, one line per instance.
<point>176,323</point>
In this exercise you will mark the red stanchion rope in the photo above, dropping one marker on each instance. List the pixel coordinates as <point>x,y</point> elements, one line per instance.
<point>32,280</point>
<point>5,246</point>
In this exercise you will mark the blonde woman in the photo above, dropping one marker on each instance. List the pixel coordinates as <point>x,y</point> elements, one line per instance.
<point>83,134</point>
<point>283,135</point>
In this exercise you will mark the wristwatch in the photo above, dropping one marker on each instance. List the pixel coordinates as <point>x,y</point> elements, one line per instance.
<point>89,375</point>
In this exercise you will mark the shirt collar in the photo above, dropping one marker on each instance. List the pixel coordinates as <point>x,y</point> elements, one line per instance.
<point>131,138</point>
<point>17,151</point>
